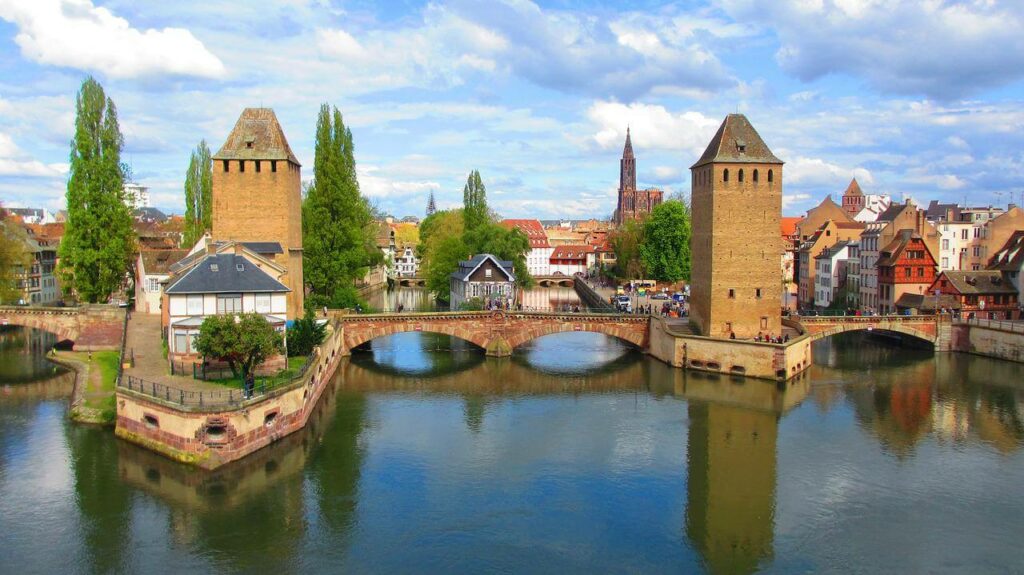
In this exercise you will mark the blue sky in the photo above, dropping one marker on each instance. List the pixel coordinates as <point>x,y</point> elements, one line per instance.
<point>920,99</point>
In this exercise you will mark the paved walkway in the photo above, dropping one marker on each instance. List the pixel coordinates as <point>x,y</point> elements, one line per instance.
<point>145,343</point>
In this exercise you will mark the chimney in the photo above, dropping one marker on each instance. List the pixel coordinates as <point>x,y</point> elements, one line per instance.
<point>211,248</point>
<point>906,201</point>
<point>238,248</point>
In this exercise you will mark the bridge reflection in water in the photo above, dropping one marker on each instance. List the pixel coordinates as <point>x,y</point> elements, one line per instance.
<point>370,465</point>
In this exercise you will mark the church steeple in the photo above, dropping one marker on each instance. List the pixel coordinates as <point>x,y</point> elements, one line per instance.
<point>431,207</point>
<point>627,166</point>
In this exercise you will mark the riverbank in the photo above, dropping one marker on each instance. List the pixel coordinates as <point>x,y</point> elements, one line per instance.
<point>92,399</point>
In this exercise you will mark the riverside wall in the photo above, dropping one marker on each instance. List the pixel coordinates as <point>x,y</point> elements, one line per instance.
<point>997,339</point>
<point>209,437</point>
<point>728,356</point>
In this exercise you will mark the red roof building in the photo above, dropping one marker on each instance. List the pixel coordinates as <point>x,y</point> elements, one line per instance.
<point>905,266</point>
<point>571,260</point>
<point>538,259</point>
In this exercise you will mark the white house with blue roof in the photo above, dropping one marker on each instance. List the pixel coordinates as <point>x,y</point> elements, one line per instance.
<point>227,278</point>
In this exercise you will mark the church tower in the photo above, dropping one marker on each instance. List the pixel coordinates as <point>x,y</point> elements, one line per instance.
<point>627,184</point>
<point>257,197</point>
<point>736,246</point>
<point>853,199</point>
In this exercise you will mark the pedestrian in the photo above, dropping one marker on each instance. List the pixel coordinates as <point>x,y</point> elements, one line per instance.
<point>325,311</point>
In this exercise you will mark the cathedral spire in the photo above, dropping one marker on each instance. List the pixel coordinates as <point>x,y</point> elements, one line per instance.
<point>627,152</point>
<point>431,207</point>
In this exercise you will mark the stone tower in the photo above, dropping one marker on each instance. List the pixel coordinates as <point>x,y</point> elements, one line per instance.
<point>853,198</point>
<point>633,203</point>
<point>736,246</point>
<point>256,194</point>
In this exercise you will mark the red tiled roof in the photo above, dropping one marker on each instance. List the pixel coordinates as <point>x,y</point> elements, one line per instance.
<point>532,228</point>
<point>571,252</point>
<point>789,226</point>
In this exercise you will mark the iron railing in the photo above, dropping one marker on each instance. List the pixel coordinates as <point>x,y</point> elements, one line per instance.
<point>1016,326</point>
<point>214,398</point>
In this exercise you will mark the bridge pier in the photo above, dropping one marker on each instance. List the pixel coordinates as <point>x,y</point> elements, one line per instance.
<point>498,346</point>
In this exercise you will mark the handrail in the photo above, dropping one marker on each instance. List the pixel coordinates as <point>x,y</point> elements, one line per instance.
<point>217,398</point>
<point>1013,326</point>
<point>124,343</point>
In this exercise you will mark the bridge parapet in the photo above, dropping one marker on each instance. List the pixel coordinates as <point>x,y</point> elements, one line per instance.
<point>91,326</point>
<point>926,327</point>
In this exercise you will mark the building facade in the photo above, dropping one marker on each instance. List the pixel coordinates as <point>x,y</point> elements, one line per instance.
<point>905,266</point>
<point>37,281</point>
<point>983,293</point>
<point>152,269</point>
<point>633,204</point>
<point>538,259</point>
<point>482,277</point>
<point>737,203</point>
<point>572,260</point>
<point>832,267</point>
<point>257,194</point>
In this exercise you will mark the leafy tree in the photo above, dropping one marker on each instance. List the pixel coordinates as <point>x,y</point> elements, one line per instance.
<point>665,247</point>
<point>305,334</point>
<point>338,230</point>
<point>407,234</point>
<point>445,255</point>
<point>198,195</point>
<point>98,242</point>
<point>438,224</point>
<point>626,242</point>
<point>474,202</point>
<point>505,244</point>
<point>244,341</point>
<point>13,258</point>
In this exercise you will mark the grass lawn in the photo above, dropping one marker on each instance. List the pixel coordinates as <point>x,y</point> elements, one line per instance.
<point>294,366</point>
<point>100,392</point>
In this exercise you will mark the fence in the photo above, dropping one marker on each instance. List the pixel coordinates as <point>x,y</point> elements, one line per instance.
<point>1005,325</point>
<point>213,398</point>
<point>201,371</point>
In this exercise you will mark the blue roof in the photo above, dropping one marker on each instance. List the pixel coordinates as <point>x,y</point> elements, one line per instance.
<point>225,273</point>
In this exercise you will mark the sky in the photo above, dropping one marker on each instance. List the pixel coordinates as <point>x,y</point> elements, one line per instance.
<point>918,99</point>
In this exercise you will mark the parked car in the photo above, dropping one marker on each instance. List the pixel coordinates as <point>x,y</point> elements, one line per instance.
<point>624,304</point>
<point>660,295</point>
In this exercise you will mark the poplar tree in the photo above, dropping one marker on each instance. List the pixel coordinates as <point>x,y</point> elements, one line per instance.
<point>338,229</point>
<point>198,195</point>
<point>98,242</point>
<point>474,202</point>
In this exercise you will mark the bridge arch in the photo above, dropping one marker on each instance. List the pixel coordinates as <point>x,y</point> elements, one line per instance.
<point>626,333</point>
<point>920,328</point>
<point>89,326</point>
<point>356,337</point>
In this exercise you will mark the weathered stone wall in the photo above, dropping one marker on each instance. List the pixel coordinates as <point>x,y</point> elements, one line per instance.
<point>263,206</point>
<point>1002,342</point>
<point>736,246</point>
<point>736,357</point>
<point>184,432</point>
<point>89,327</point>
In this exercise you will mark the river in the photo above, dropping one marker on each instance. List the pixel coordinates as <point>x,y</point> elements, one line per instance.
<point>575,455</point>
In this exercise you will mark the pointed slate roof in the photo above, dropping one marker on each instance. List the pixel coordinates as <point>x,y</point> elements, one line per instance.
<point>853,189</point>
<point>627,151</point>
<point>256,136</point>
<point>225,273</point>
<point>737,142</point>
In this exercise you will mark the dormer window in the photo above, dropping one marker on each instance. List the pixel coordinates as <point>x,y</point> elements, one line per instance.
<point>741,146</point>
<point>214,267</point>
<point>239,267</point>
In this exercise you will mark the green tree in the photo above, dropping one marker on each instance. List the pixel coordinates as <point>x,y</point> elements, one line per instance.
<point>244,341</point>
<point>626,242</point>
<point>305,334</point>
<point>98,242</point>
<point>505,244</point>
<point>198,195</point>
<point>665,247</point>
<point>445,255</point>
<point>13,258</point>
<point>338,230</point>
<point>474,202</point>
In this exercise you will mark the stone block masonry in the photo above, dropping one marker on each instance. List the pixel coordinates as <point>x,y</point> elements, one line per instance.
<point>88,327</point>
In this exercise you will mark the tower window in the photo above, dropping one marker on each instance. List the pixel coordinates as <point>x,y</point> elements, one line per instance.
<point>225,165</point>
<point>757,293</point>
<point>725,175</point>
<point>771,177</point>
<point>755,176</point>
<point>741,175</point>
<point>257,162</point>
<point>241,166</point>
<point>732,294</point>
<point>273,165</point>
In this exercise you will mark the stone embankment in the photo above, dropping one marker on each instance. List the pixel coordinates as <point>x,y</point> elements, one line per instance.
<point>590,296</point>
<point>212,430</point>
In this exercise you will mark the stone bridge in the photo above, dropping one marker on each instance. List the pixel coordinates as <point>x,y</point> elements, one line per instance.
<point>87,327</point>
<point>497,332</point>
<point>929,328</point>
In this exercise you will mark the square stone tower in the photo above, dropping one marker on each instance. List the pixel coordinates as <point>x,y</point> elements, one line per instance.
<point>257,194</point>
<point>736,244</point>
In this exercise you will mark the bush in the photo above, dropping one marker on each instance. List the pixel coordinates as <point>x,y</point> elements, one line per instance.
<point>304,335</point>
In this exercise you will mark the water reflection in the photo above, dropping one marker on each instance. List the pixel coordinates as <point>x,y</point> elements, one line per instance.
<point>411,299</point>
<point>23,355</point>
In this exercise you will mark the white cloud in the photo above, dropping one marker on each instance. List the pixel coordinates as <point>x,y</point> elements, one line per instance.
<point>14,162</point>
<point>78,34</point>
<point>652,127</point>
<point>375,183</point>
<point>818,172</point>
<point>943,49</point>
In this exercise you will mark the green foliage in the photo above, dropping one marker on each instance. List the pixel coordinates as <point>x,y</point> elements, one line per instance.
<point>444,257</point>
<point>626,242</point>
<point>472,304</point>
<point>98,243</point>
<point>474,203</point>
<point>13,258</point>
<point>338,230</point>
<point>665,247</point>
<point>244,341</point>
<point>504,244</point>
<point>198,195</point>
<point>305,334</point>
